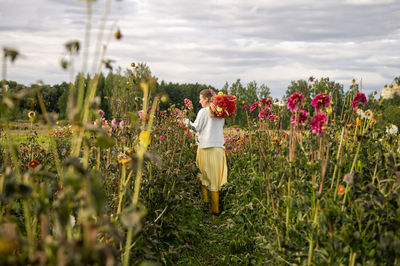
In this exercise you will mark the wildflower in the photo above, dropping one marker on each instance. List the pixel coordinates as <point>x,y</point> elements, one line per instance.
<point>392,130</point>
<point>295,102</point>
<point>189,104</point>
<point>372,121</point>
<point>25,150</point>
<point>33,164</point>
<point>321,101</point>
<point>118,103</point>
<point>341,190</point>
<point>300,117</point>
<point>318,122</point>
<point>369,114</point>
<point>41,150</point>
<point>101,113</point>
<point>125,160</point>
<point>132,64</point>
<point>359,99</point>
<point>229,147</point>
<point>31,114</point>
<point>254,106</point>
<point>276,139</point>
<point>244,102</point>
<point>360,113</point>
<point>162,137</point>
<point>358,122</point>
<point>113,123</point>
<point>121,125</point>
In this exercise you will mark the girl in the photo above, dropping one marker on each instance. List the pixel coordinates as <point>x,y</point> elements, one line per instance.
<point>211,158</point>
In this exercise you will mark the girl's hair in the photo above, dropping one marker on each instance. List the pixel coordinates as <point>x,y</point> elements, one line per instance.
<point>209,94</point>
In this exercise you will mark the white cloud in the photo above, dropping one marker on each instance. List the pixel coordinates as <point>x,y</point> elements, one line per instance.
<point>213,42</point>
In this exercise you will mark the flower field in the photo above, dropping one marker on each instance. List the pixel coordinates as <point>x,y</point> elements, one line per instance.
<point>110,178</point>
<point>325,190</point>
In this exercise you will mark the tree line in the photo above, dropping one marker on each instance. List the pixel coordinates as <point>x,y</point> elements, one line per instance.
<point>119,92</point>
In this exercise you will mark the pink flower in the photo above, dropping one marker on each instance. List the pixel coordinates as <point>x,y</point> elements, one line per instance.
<point>162,137</point>
<point>264,114</point>
<point>118,102</point>
<point>300,117</point>
<point>103,121</point>
<point>188,104</point>
<point>360,98</point>
<point>101,113</point>
<point>295,102</point>
<point>176,112</point>
<point>271,117</point>
<point>267,102</point>
<point>25,150</point>
<point>318,122</point>
<point>113,123</point>
<point>121,125</point>
<point>41,150</point>
<point>245,107</point>
<point>254,106</point>
<point>321,101</point>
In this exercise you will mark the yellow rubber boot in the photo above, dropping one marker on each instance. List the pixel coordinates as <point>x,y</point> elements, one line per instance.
<point>214,202</point>
<point>204,190</point>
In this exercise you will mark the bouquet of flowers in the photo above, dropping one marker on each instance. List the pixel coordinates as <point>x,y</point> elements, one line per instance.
<point>223,106</point>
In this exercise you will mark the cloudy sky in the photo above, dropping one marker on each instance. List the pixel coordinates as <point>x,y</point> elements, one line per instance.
<point>213,42</point>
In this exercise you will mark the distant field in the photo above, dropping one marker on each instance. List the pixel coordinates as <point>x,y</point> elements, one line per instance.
<point>21,130</point>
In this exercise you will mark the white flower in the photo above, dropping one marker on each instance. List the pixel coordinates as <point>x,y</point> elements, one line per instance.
<point>392,130</point>
<point>280,103</point>
<point>72,220</point>
<point>361,113</point>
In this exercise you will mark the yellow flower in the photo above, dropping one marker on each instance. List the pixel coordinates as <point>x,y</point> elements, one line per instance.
<point>144,138</point>
<point>276,139</point>
<point>31,114</point>
<point>220,93</point>
<point>358,121</point>
<point>369,114</point>
<point>125,160</point>
<point>132,64</point>
<point>219,109</point>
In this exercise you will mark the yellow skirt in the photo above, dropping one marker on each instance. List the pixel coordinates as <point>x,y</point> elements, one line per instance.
<point>213,169</point>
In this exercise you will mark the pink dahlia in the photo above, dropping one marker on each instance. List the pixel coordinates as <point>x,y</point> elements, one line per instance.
<point>360,98</point>
<point>300,117</point>
<point>188,104</point>
<point>318,122</point>
<point>266,102</point>
<point>321,101</point>
<point>295,102</point>
<point>254,106</point>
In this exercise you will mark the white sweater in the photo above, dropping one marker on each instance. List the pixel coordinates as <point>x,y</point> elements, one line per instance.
<point>210,129</point>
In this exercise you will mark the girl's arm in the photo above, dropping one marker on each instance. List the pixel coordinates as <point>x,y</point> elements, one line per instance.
<point>200,121</point>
